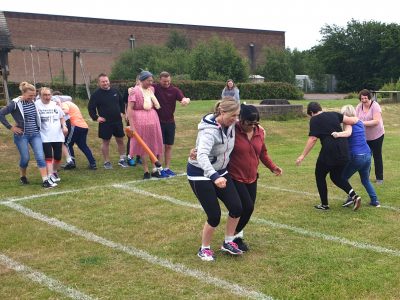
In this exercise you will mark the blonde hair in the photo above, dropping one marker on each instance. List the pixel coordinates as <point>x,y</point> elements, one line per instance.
<point>226,104</point>
<point>43,89</point>
<point>348,110</point>
<point>25,87</point>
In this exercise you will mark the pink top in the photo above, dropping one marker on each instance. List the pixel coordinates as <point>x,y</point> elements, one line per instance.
<point>371,132</point>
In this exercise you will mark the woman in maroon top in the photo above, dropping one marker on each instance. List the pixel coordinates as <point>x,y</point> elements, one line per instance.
<point>249,149</point>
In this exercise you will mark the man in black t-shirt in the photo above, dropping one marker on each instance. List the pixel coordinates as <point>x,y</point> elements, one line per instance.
<point>334,153</point>
<point>107,108</point>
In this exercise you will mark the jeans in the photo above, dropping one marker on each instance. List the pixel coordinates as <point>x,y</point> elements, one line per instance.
<point>362,164</point>
<point>22,141</point>
<point>78,135</point>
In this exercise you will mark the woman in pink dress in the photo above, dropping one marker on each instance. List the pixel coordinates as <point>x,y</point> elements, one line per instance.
<point>143,119</point>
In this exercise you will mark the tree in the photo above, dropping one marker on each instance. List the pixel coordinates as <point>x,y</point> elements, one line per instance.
<point>277,66</point>
<point>178,40</point>
<point>362,55</point>
<point>217,59</point>
<point>153,58</point>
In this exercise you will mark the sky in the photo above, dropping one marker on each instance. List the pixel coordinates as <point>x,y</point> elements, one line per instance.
<point>301,20</point>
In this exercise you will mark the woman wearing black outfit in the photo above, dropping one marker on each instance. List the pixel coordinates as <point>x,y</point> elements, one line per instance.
<point>334,153</point>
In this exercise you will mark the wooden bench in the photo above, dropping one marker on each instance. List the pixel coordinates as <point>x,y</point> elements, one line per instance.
<point>393,95</point>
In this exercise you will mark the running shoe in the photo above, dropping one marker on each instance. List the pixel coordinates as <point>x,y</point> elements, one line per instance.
<point>55,178</point>
<point>159,174</point>
<point>131,162</point>
<point>146,175</point>
<point>123,163</point>
<point>375,203</point>
<point>231,248</point>
<point>107,165</point>
<point>241,244</point>
<point>69,166</point>
<point>321,207</point>
<point>169,172</point>
<point>348,202</point>
<point>206,254</point>
<point>48,184</point>
<point>24,180</point>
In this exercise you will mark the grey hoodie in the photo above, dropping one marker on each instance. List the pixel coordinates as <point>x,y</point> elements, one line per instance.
<point>213,149</point>
<point>16,109</point>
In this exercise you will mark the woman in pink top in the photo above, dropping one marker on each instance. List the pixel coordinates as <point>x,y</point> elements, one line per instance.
<point>369,111</point>
<point>144,120</point>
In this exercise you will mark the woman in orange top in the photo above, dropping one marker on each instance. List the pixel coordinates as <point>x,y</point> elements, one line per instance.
<point>77,134</point>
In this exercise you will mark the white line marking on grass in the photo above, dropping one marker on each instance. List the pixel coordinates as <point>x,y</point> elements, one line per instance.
<point>45,195</point>
<point>317,195</point>
<point>43,279</point>
<point>314,234</point>
<point>166,198</point>
<point>55,193</point>
<point>179,268</point>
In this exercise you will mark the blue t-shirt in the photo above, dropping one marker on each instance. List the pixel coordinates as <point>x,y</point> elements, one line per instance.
<point>357,141</point>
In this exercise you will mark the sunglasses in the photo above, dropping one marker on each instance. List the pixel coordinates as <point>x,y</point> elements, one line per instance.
<point>251,123</point>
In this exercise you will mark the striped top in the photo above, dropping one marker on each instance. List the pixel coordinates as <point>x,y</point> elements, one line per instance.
<point>30,113</point>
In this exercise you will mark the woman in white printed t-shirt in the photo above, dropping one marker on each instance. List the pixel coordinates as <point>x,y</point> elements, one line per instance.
<point>52,131</point>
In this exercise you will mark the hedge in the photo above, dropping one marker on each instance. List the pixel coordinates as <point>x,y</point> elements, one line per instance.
<point>195,90</point>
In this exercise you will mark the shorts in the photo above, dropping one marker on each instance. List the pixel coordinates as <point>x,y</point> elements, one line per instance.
<point>168,133</point>
<point>109,129</point>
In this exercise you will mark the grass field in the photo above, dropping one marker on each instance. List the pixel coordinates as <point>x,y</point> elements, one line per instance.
<point>107,234</point>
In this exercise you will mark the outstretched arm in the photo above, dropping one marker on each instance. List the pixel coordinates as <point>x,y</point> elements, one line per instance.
<point>309,145</point>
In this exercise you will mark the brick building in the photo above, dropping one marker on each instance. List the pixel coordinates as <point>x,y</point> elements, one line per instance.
<point>111,36</point>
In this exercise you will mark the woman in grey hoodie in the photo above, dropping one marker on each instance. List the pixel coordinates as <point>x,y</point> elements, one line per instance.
<point>209,178</point>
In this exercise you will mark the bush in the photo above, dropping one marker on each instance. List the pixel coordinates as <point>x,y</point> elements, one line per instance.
<point>207,90</point>
<point>195,90</point>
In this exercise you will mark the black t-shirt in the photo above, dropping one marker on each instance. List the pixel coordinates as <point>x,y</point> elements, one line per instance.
<point>107,104</point>
<point>333,151</point>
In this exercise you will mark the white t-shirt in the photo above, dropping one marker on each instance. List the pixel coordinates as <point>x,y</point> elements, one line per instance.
<point>50,115</point>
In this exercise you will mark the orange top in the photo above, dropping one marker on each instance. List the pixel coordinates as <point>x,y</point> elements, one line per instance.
<point>75,114</point>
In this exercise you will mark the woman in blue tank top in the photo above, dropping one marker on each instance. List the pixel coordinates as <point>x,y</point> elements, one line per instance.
<point>360,155</point>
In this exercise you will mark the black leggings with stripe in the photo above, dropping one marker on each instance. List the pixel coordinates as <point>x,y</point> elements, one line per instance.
<point>208,193</point>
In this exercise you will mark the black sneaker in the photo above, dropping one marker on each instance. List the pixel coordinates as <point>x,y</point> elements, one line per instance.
<point>241,244</point>
<point>159,174</point>
<point>24,180</point>
<point>348,202</point>
<point>48,185</point>
<point>69,166</point>
<point>146,175</point>
<point>231,248</point>
<point>321,207</point>
<point>92,167</point>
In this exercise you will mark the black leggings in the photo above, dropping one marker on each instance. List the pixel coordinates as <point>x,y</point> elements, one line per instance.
<point>52,150</point>
<point>247,193</point>
<point>207,193</point>
<point>335,173</point>
<point>376,148</point>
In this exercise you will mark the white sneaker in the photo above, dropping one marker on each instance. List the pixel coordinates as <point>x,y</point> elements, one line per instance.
<point>206,254</point>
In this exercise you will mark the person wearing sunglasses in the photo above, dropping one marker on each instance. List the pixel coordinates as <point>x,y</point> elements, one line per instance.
<point>249,143</point>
